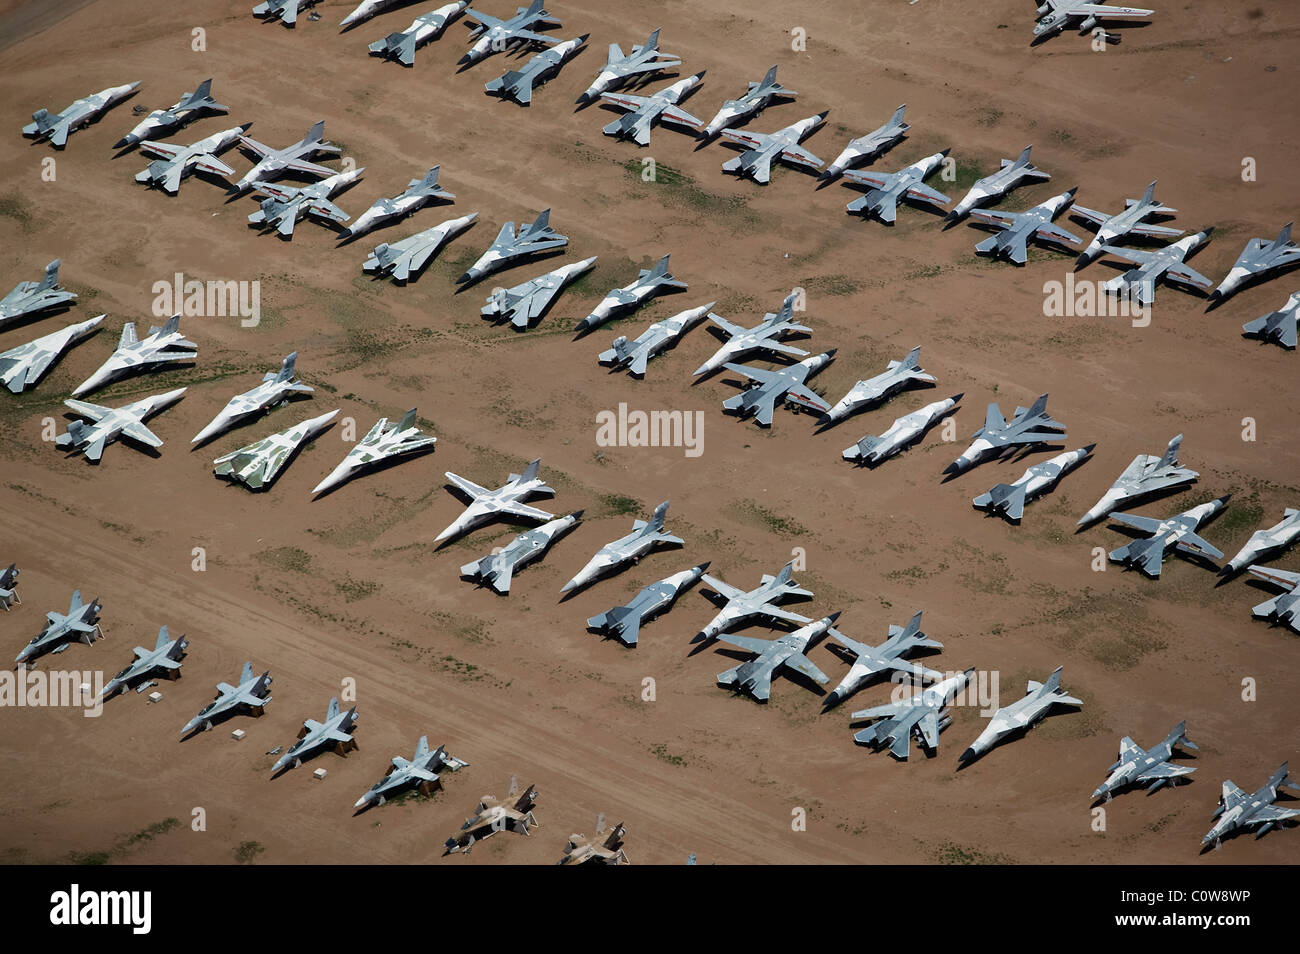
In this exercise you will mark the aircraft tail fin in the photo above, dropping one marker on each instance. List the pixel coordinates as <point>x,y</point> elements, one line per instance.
<point>993,419</point>
<point>316,133</point>
<point>1009,498</point>
<point>172,325</point>
<point>784,575</point>
<point>544,220</point>
<point>1039,406</point>
<point>287,367</point>
<point>202,97</point>
<point>769,78</point>
<point>422,747</point>
<point>407,421</point>
<point>1170,457</point>
<point>898,114</point>
<point>505,572</point>
<point>334,708</point>
<point>913,360</point>
<point>1023,158</point>
<point>656,521</point>
<point>51,279</point>
<point>530,472</point>
<point>42,119</point>
<point>163,638</point>
<point>1179,737</point>
<point>1150,195</point>
<point>527,799</point>
<point>628,621</point>
<point>1284,237</point>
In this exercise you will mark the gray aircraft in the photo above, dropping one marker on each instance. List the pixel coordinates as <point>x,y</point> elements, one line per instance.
<point>408,256</point>
<point>1258,260</point>
<point>498,568</point>
<point>785,384</point>
<point>9,587</point>
<point>870,661</point>
<point>896,376</point>
<point>274,163</point>
<point>1132,221</point>
<point>1083,15</point>
<point>174,162</point>
<point>924,715</point>
<point>401,46</point>
<point>758,97</point>
<point>1268,541</point>
<point>285,205</point>
<point>417,194</point>
<point>1020,716</point>
<point>494,36</point>
<point>755,676</point>
<point>381,443</point>
<point>82,112</point>
<point>648,283</point>
<point>645,111</point>
<point>624,622</point>
<point>1017,228</point>
<point>423,772</point>
<point>286,11</point>
<point>871,146</point>
<point>79,625</point>
<point>741,605</point>
<point>167,121</point>
<point>1283,609</point>
<point>334,733</point>
<point>28,298</point>
<point>1152,265</point>
<point>885,189</point>
<point>631,547</point>
<point>251,696</point>
<point>1239,811</point>
<point>275,390</point>
<point>1009,500</point>
<point>872,451</point>
<point>764,336</point>
<point>524,303</point>
<point>165,655</point>
<point>506,500</point>
<point>639,61</point>
<point>510,247</point>
<point>110,423</point>
<point>258,464</point>
<point>23,366</point>
<point>1029,426</point>
<point>1147,554</point>
<point>1279,326</point>
<point>163,345</point>
<point>518,84</point>
<point>762,149</point>
<point>491,816</point>
<point>1146,474</point>
<point>1010,174</point>
<point>634,355</point>
<point>1150,767</point>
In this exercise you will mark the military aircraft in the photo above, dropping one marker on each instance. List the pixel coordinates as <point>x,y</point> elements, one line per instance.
<point>1146,474</point>
<point>275,390</point>
<point>498,567</point>
<point>167,121</point>
<point>897,375</point>
<point>634,355</point>
<point>286,11</point>
<point>427,26</point>
<point>506,500</point>
<point>518,84</point>
<point>112,423</point>
<point>423,772</point>
<point>23,366</point>
<point>1150,767</point>
<point>645,535</point>
<point>82,112</point>
<point>251,696</point>
<point>762,149</point>
<point>1259,259</point>
<point>408,256</point>
<point>870,661</point>
<point>648,283</point>
<point>525,302</point>
<point>490,817</point>
<point>924,715</point>
<point>1057,15</point>
<point>578,850</point>
<point>755,676</point>
<point>334,733</point>
<point>1281,534</point>
<point>1017,228</point>
<point>639,61</point>
<point>258,464</point>
<point>27,298</point>
<point>1029,426</point>
<point>1279,326</point>
<point>162,346</point>
<point>285,205</point>
<point>764,336</point>
<point>381,443</point>
<point>273,163</point>
<point>9,587</point>
<point>1132,221</point>
<point>1239,811</point>
<point>79,625</point>
<point>417,194</point>
<point>872,451</point>
<point>1168,262</point>
<point>644,111</point>
<point>1009,499</point>
<point>1020,715</point>
<point>165,655</point>
<point>494,36</point>
<point>1285,607</point>
<point>511,246</point>
<point>1009,175</point>
<point>871,146</point>
<point>885,189</point>
<point>174,162</point>
<point>786,384</point>
<point>1148,553</point>
<point>365,10</point>
<point>739,606</point>
<point>624,622</point>
<point>757,98</point>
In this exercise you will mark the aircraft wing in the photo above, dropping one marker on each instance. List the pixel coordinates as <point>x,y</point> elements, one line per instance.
<point>1092,215</point>
<point>523,510</point>
<point>1155,231</point>
<point>725,589</point>
<point>1129,254</point>
<point>1188,276</point>
<point>1272,813</point>
<point>1102,10</point>
<point>680,117</point>
<point>302,165</point>
<point>1053,233</point>
<point>164,150</point>
<point>803,664</point>
<point>1194,544</point>
<point>1283,578</point>
<point>801,156</point>
<point>929,726</point>
<point>93,411</point>
<point>754,374</point>
<point>530,35</point>
<point>806,397</point>
<point>1163,770</point>
<point>751,643</point>
<point>211,164</point>
<point>1145,524</point>
<point>752,140</point>
<point>252,145</point>
<point>726,326</point>
<point>338,736</point>
<point>779,613</point>
<point>923,191</point>
<point>1004,219</point>
<point>471,488</point>
<point>328,210</point>
<point>138,432</point>
<point>626,100</point>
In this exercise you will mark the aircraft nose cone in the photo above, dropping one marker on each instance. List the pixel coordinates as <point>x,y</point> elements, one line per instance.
<point>966,756</point>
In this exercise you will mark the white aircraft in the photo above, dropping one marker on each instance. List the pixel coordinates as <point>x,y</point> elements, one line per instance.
<point>381,443</point>
<point>505,500</point>
<point>275,389</point>
<point>162,346</point>
<point>112,423</point>
<point>22,367</point>
<point>1057,15</point>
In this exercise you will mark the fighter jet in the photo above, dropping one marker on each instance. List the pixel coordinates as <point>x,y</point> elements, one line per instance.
<point>79,625</point>
<point>165,655</point>
<point>1017,228</point>
<point>367,9</point>
<point>648,283</point>
<point>735,111</point>
<point>1011,173</point>
<point>1112,228</point>
<point>640,60</point>
<point>408,256</point>
<point>285,205</point>
<point>634,355</point>
<point>1029,426</point>
<point>274,163</point>
<point>1150,767</point>
<point>1009,499</point>
<point>381,443</point>
<point>510,247</point>
<point>1285,607</point>
<point>755,676</point>
<point>1146,475</point>
<point>644,111</point>
<point>275,389</point>
<point>9,587</point>
<point>1148,553</point>
<point>870,661</point>
<point>28,298</point>
<point>874,144</point>
<point>624,622</point>
<point>518,84</point>
<point>334,733</point>
<point>1020,715</point>
<point>112,423</point>
<point>1259,259</point>
<point>251,696</point>
<point>505,500</point>
<point>496,35</point>
<point>1279,326</point>
<point>167,121</point>
<point>1239,811</point>
<point>23,366</point>
<point>490,817</point>
<point>498,567</point>
<point>1281,534</point>
<point>885,189</point>
<point>1167,262</point>
<point>897,375</point>
<point>82,112</point>
<point>417,194</point>
<point>175,162</point>
<point>258,464</point>
<point>427,26</point>
<point>525,302</point>
<point>764,336</point>
<point>786,384</point>
<point>924,715</point>
<point>761,149</point>
<point>286,11</point>
<point>872,451</point>
<point>162,346</point>
<point>740,606</point>
<point>1057,15</point>
<point>423,772</point>
<point>578,850</point>
<point>630,547</point>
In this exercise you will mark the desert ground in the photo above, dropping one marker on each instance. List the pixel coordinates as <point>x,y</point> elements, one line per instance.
<point>352,586</point>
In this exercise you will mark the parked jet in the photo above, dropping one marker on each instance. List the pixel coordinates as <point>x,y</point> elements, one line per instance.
<point>644,111</point>
<point>1148,553</point>
<point>1017,228</point>
<point>876,450</point>
<point>764,336</point>
<point>498,568</point>
<point>112,423</point>
<point>275,389</point>
<point>423,772</point>
<point>1146,475</point>
<point>1084,15</point>
<point>79,625</point>
<point>408,256</point>
<point>1150,767</point>
<point>367,9</point>
<point>897,375</point>
<point>627,548</point>
<point>1281,534</point>
<point>9,587</point>
<point>1258,260</point>
<point>506,500</point>
<point>258,464</point>
<point>634,355</point>
<point>1279,326</point>
<point>274,163</point>
<point>1030,426</point>
<point>511,246</point>
<point>1168,262</point>
<point>417,194</point>
<point>648,283</point>
<point>735,111</point>
<point>162,346</point>
<point>761,149</point>
<point>1132,221</point>
<point>924,715</point>
<point>885,189</point>
<point>518,84</point>
<point>1239,811</point>
<point>381,443</point>
<point>23,366</point>
<point>27,298</point>
<point>755,676</point>
<point>167,121</point>
<point>251,696</point>
<point>871,146</point>
<point>165,655</point>
<point>624,622</point>
<point>1009,499</point>
<point>286,11</point>
<point>1284,608</point>
<point>995,187</point>
<point>525,302</point>
<point>285,205</point>
<point>494,36</point>
<point>739,606</point>
<point>785,384</point>
<point>870,661</point>
<point>578,850</point>
<point>639,61</point>
<point>490,817</point>
<point>82,112</point>
<point>175,162</point>
<point>334,733</point>
<point>427,26</point>
<point>1020,715</point>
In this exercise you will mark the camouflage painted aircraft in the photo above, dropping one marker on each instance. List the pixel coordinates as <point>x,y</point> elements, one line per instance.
<point>23,366</point>
<point>578,850</point>
<point>381,443</point>
<point>110,423</point>
<point>257,465</point>
<point>491,816</point>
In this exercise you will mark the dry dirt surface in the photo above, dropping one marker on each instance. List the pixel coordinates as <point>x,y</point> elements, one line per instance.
<point>352,587</point>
